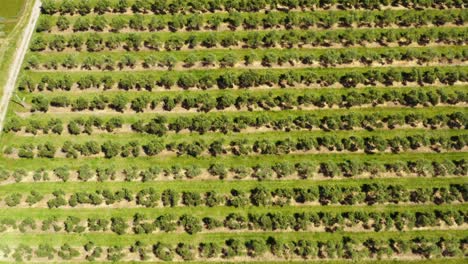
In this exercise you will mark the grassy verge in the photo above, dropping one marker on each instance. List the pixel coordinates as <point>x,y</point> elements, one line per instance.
<point>8,48</point>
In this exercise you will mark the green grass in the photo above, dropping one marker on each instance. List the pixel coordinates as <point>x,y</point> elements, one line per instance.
<point>11,8</point>
<point>14,27</point>
<point>9,26</point>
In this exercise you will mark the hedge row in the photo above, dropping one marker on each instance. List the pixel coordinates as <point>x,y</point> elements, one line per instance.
<point>302,249</point>
<point>365,194</point>
<point>160,125</point>
<point>279,170</point>
<point>95,42</point>
<point>196,6</point>
<point>196,148</point>
<point>249,78</point>
<point>235,20</point>
<point>330,58</point>
<point>206,102</point>
<point>271,221</point>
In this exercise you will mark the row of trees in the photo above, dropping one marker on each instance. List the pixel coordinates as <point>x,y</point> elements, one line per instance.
<point>243,21</point>
<point>271,221</point>
<point>242,147</point>
<point>206,102</point>
<point>84,7</point>
<point>329,58</point>
<point>94,42</point>
<point>329,194</point>
<point>246,79</point>
<point>278,170</point>
<point>343,248</point>
<point>160,125</point>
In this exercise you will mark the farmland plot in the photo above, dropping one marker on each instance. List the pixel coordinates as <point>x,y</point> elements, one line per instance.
<point>239,131</point>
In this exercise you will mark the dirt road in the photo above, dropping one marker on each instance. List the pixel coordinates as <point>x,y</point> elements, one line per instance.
<point>18,61</point>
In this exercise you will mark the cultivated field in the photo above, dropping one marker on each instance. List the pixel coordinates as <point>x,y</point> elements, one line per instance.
<point>239,131</point>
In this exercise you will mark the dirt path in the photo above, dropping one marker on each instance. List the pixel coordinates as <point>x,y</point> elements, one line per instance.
<point>18,61</point>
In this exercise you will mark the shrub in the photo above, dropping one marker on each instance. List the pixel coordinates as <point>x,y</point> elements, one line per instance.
<point>40,103</point>
<point>119,102</point>
<point>118,225</point>
<point>147,197</point>
<point>191,224</point>
<point>66,252</point>
<point>185,251</point>
<point>110,149</point>
<point>153,147</point>
<point>163,251</point>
